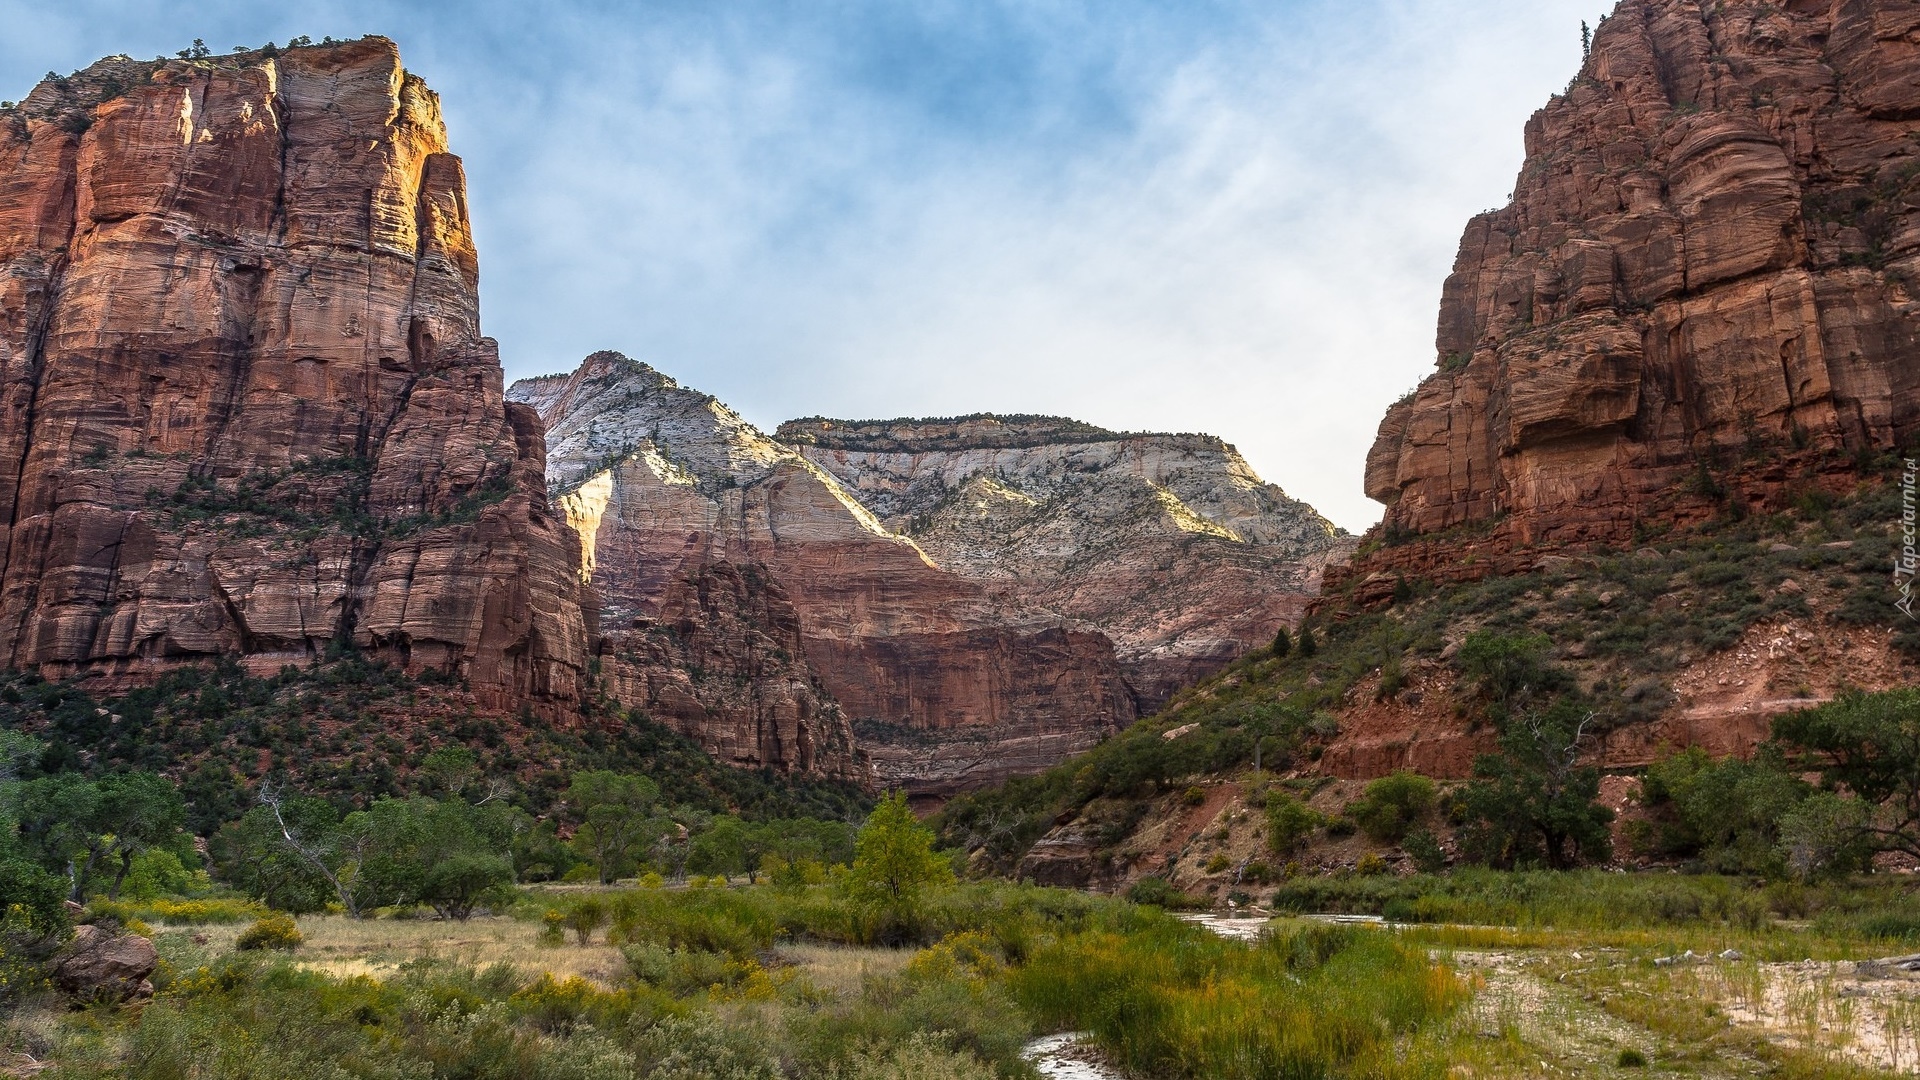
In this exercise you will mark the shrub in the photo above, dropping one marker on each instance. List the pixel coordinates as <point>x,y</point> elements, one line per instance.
<point>1169,1000</point>
<point>921,1057</point>
<point>276,931</point>
<point>1425,851</point>
<point>1289,823</point>
<point>1218,863</point>
<point>1158,892</point>
<point>1392,805</point>
<point>585,916</point>
<point>1631,1059</point>
<point>1371,864</point>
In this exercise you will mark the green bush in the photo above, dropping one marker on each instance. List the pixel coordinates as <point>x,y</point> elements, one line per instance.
<point>1289,823</point>
<point>1425,850</point>
<point>1392,806</point>
<point>1158,892</point>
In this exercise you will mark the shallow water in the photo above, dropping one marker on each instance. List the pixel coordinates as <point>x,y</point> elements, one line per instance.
<point>1231,927</point>
<point>1060,1056</point>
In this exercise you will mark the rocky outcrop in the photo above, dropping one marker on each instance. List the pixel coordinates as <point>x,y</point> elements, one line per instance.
<point>751,600</point>
<point>1169,545</point>
<point>245,406</point>
<point>98,966</point>
<point>1703,288</point>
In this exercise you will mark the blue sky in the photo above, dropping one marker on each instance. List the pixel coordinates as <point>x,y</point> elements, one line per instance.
<point>1179,216</point>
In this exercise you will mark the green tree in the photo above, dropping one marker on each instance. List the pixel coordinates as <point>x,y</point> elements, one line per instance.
<point>448,771</point>
<point>448,855</point>
<point>616,819</point>
<point>1867,744</point>
<point>1533,802</point>
<point>1282,642</point>
<point>1392,806</point>
<point>894,863</point>
<point>1822,837</point>
<point>140,812</point>
<point>728,846</point>
<point>1726,812</point>
<point>92,827</point>
<point>281,853</point>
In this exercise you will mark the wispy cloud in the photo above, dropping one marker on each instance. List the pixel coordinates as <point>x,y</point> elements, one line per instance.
<point>1224,217</point>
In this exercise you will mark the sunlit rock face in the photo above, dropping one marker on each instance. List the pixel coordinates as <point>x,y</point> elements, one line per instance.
<point>1707,270</point>
<point>1169,545</point>
<point>245,406</point>
<point>751,600</point>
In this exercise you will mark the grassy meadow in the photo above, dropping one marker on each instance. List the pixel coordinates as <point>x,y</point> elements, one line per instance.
<point>763,981</point>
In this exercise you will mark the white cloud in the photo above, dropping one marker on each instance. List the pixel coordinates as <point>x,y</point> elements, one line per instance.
<point>1231,218</point>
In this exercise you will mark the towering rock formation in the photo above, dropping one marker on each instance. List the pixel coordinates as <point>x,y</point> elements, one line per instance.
<point>1705,281</point>
<point>751,600</point>
<point>245,407</point>
<point>1169,545</point>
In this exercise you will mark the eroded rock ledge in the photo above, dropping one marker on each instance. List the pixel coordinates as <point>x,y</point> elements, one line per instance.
<point>1702,289</point>
<point>245,406</point>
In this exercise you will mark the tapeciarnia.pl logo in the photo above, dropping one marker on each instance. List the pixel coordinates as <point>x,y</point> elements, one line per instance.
<point>1907,561</point>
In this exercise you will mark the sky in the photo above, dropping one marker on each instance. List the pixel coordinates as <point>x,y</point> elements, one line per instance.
<point>1184,215</point>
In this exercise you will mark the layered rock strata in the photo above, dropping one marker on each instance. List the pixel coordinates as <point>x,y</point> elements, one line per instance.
<point>750,599</point>
<point>1703,288</point>
<point>245,406</point>
<point>1170,545</point>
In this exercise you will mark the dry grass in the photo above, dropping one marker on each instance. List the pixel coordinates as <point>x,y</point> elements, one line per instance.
<point>340,946</point>
<point>842,969</point>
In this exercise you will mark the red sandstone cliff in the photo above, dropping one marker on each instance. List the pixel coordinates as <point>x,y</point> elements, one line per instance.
<point>245,407</point>
<point>1707,273</point>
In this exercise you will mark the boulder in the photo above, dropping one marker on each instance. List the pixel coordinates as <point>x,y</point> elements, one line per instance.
<point>99,966</point>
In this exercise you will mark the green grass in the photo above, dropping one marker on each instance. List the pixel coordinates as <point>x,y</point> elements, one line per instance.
<point>1170,1000</point>
<point>708,995</point>
<point>1875,907</point>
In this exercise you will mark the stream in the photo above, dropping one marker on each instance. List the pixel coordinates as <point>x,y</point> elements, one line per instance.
<point>1071,1055</point>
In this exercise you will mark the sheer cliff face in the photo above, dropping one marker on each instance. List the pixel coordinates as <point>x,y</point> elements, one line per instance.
<point>1708,264</point>
<point>245,407</point>
<point>1170,545</point>
<point>750,599</point>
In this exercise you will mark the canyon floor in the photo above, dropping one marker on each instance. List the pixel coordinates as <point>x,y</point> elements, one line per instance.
<point>1783,998</point>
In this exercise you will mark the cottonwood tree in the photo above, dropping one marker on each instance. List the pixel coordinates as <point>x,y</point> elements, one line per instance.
<point>1534,802</point>
<point>616,816</point>
<point>894,863</point>
<point>1868,746</point>
<point>89,825</point>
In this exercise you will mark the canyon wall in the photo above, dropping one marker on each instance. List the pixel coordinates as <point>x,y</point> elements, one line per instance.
<point>750,600</point>
<point>245,405</point>
<point>1703,289</point>
<point>1169,545</point>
